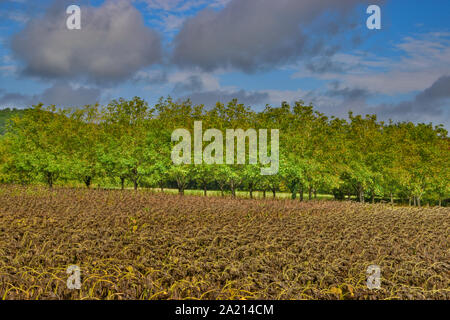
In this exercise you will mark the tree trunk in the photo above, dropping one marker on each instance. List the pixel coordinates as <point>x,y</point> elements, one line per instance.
<point>264,193</point>
<point>392,198</point>
<point>415,202</point>
<point>315,193</point>
<point>409,201</point>
<point>293,189</point>
<point>87,182</point>
<point>233,189</point>
<point>373,197</point>
<point>361,195</point>
<point>440,202</point>
<point>181,186</point>
<point>301,193</point>
<point>205,190</point>
<point>122,182</point>
<point>309,193</point>
<point>135,184</point>
<point>418,202</point>
<point>274,193</point>
<point>50,180</point>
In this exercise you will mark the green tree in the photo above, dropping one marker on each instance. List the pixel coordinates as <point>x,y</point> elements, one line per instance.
<point>38,146</point>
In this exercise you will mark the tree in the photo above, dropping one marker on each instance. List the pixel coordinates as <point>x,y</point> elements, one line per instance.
<point>234,176</point>
<point>85,137</point>
<point>182,175</point>
<point>221,173</point>
<point>251,177</point>
<point>203,175</point>
<point>126,150</point>
<point>38,148</point>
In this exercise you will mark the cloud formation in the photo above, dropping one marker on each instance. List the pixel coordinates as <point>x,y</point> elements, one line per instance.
<point>61,95</point>
<point>429,105</point>
<point>112,45</point>
<point>257,34</point>
<point>429,102</point>
<point>347,93</point>
<point>419,61</point>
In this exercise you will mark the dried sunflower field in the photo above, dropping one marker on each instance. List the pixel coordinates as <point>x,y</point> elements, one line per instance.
<point>143,245</point>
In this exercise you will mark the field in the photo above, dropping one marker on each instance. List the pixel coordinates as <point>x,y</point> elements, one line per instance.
<point>144,245</point>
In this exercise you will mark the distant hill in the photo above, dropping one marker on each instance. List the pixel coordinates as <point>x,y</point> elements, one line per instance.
<point>5,115</point>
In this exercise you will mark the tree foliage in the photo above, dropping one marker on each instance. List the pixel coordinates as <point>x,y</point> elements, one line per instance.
<point>127,143</point>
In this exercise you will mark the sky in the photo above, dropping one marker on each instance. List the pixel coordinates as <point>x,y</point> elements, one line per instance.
<point>261,52</point>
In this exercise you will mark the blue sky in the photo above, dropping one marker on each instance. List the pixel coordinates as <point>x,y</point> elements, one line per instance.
<point>259,51</point>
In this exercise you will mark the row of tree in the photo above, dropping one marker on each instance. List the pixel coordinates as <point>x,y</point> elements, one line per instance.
<point>128,142</point>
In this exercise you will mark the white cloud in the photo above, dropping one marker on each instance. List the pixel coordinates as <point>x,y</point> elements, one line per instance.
<point>278,96</point>
<point>419,63</point>
<point>206,81</point>
<point>15,16</point>
<point>8,70</point>
<point>61,95</point>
